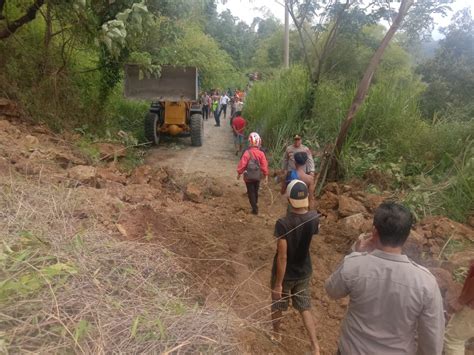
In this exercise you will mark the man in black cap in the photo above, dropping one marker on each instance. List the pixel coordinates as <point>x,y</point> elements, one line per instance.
<point>292,268</point>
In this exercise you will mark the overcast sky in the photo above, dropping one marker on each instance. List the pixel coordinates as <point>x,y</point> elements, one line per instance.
<point>248,9</point>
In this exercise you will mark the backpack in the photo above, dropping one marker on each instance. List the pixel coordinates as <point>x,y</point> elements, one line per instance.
<point>253,172</point>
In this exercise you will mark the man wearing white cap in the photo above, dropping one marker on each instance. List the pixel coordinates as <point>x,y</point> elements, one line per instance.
<point>292,267</point>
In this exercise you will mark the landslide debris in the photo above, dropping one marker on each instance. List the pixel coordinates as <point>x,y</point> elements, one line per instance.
<point>223,253</point>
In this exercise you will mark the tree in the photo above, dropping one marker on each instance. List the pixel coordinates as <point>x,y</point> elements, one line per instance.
<point>450,74</point>
<point>8,27</point>
<point>364,84</point>
<point>331,162</point>
<point>234,36</point>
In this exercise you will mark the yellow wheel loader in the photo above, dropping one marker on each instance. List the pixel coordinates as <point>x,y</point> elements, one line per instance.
<point>175,109</point>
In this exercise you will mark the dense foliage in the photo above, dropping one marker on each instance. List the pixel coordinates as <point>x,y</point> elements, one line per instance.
<point>65,64</point>
<point>450,73</point>
<point>430,160</point>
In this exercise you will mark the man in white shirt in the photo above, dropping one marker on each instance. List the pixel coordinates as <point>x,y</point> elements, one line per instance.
<point>223,103</point>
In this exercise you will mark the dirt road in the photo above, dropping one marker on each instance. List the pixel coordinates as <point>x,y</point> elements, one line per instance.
<point>215,157</point>
<point>231,251</point>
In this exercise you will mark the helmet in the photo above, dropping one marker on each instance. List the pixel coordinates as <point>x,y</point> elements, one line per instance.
<point>254,139</point>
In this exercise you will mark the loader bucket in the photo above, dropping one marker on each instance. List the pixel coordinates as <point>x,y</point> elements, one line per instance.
<point>173,84</point>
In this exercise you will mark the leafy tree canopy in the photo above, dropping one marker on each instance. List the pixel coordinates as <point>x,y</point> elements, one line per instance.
<point>450,74</point>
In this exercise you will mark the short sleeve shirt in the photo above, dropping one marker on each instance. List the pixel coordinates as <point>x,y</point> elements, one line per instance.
<point>224,100</point>
<point>239,124</point>
<point>298,231</point>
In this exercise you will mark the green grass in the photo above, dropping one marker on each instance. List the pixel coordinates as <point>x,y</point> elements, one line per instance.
<point>432,163</point>
<point>274,109</point>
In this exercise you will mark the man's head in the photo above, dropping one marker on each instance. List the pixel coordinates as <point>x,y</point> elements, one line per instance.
<point>297,139</point>
<point>297,194</point>
<point>300,158</point>
<point>392,223</point>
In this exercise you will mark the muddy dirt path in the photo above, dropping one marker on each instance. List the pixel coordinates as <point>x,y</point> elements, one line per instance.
<point>216,157</point>
<point>231,251</point>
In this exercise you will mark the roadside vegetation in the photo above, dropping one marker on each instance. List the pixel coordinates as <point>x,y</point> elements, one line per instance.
<point>415,129</point>
<point>70,286</point>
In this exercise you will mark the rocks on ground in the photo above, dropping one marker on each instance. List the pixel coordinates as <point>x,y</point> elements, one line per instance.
<point>349,212</point>
<point>349,206</point>
<point>194,193</point>
<point>9,108</point>
<point>83,174</point>
<point>110,151</point>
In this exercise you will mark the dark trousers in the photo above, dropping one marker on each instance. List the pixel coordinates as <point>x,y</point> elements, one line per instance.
<point>205,112</point>
<point>217,117</point>
<point>223,108</point>
<point>252,192</point>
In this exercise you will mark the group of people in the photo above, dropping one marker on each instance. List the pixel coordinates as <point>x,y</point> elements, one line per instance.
<point>298,163</point>
<point>216,104</point>
<point>395,305</point>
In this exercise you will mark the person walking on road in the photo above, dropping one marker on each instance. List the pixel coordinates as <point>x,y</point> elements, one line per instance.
<point>289,159</point>
<point>205,106</point>
<point>232,105</point>
<point>253,165</point>
<point>238,128</point>
<point>215,108</point>
<point>395,305</point>
<point>461,326</point>
<point>209,103</point>
<point>223,104</point>
<point>292,266</point>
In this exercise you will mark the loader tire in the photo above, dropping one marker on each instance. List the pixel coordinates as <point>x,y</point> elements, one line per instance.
<point>197,130</point>
<point>151,128</point>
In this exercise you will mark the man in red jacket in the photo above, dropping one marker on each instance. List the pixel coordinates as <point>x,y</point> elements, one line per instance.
<point>254,156</point>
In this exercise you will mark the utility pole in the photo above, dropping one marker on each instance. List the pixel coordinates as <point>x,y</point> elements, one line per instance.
<point>286,43</point>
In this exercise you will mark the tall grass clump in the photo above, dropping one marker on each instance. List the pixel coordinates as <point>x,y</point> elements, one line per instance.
<point>449,193</point>
<point>273,107</point>
<point>126,115</point>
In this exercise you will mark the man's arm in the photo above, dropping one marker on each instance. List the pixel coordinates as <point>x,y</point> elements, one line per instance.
<point>431,324</point>
<point>281,259</point>
<point>335,285</point>
<point>243,164</point>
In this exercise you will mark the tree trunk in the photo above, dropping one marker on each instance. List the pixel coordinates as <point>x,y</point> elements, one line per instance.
<point>48,35</point>
<point>363,88</point>
<point>12,27</point>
